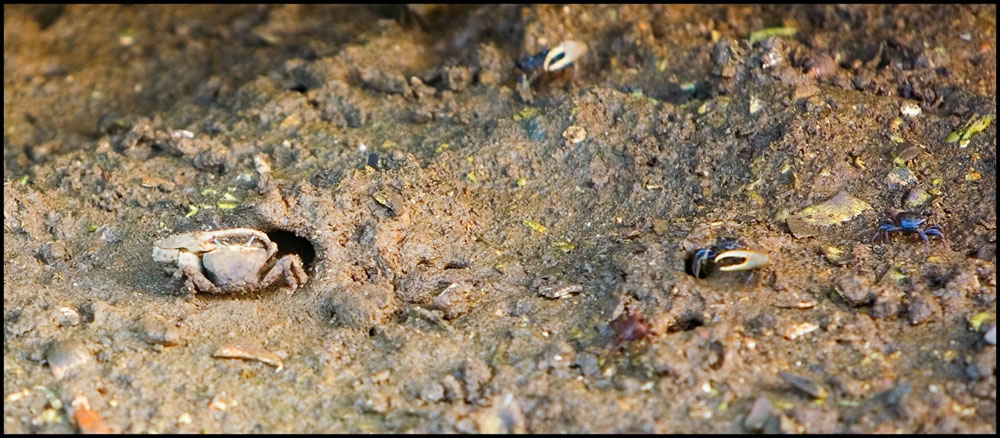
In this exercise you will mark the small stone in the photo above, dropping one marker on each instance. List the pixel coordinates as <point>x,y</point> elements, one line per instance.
<point>919,309</point>
<point>841,207</point>
<point>475,373</point>
<point>157,330</point>
<point>65,357</point>
<point>800,229</point>
<point>505,416</point>
<point>899,177</point>
<point>68,317</point>
<point>587,363</point>
<point>456,78</point>
<point>452,388</point>
<point>575,134</point>
<point>855,289</point>
<point>909,109</point>
<point>806,91</point>
<point>454,300</point>
<point>916,198</point>
<point>432,392</point>
<point>759,414</point>
<point>52,253</point>
<point>95,313</point>
<point>804,384</point>
<point>991,336</point>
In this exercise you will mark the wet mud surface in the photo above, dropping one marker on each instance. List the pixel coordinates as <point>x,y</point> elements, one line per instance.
<point>491,247</point>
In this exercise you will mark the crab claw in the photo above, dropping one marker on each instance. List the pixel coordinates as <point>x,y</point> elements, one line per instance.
<point>751,259</point>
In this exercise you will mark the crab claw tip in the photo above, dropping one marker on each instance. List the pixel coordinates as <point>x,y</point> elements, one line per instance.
<point>751,259</point>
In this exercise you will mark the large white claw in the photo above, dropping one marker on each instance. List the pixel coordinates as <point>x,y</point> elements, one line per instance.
<point>563,55</point>
<point>751,259</point>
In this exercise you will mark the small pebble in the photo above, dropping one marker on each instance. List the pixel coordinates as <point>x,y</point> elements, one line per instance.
<point>804,384</point>
<point>452,388</point>
<point>474,373</point>
<point>157,330</point>
<point>454,300</point>
<point>910,109</point>
<point>505,416</point>
<point>759,414</point>
<point>574,134</point>
<point>68,317</point>
<point>991,336</point>
<point>66,356</point>
<point>432,392</point>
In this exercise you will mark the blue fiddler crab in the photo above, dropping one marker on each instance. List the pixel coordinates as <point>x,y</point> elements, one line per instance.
<point>722,250</point>
<point>908,222</point>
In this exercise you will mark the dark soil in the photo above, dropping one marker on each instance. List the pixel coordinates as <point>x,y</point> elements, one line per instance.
<point>471,230</point>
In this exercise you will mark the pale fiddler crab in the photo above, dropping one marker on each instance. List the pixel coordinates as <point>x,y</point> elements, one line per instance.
<point>227,261</point>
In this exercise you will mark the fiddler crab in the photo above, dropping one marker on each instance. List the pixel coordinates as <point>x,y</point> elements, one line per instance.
<point>908,222</point>
<point>558,58</point>
<point>720,255</point>
<point>227,261</point>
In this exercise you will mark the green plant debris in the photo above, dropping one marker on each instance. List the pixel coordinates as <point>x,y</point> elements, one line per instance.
<point>974,126</point>
<point>388,144</point>
<point>527,113</point>
<point>221,205</point>
<point>755,105</point>
<point>762,34</point>
<point>756,197</point>
<point>92,228</point>
<point>661,65</point>
<point>978,319</point>
<point>833,254</point>
<point>564,245</point>
<point>49,394</point>
<point>229,197</point>
<point>534,226</point>
<point>896,275</point>
<point>689,86</point>
<point>471,176</point>
<point>23,180</point>
<point>840,208</point>
<point>522,181</point>
<point>208,192</point>
<point>441,148</point>
<point>192,210</point>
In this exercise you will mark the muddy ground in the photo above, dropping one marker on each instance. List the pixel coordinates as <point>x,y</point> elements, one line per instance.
<point>493,247</point>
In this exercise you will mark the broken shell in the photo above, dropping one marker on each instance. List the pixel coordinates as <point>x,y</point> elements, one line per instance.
<point>564,55</point>
<point>248,351</point>
<point>560,290</point>
<point>752,259</point>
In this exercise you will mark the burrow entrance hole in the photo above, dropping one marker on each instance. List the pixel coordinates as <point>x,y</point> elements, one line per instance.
<point>291,243</point>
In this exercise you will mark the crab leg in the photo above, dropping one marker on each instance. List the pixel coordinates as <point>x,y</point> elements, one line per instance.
<point>752,259</point>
